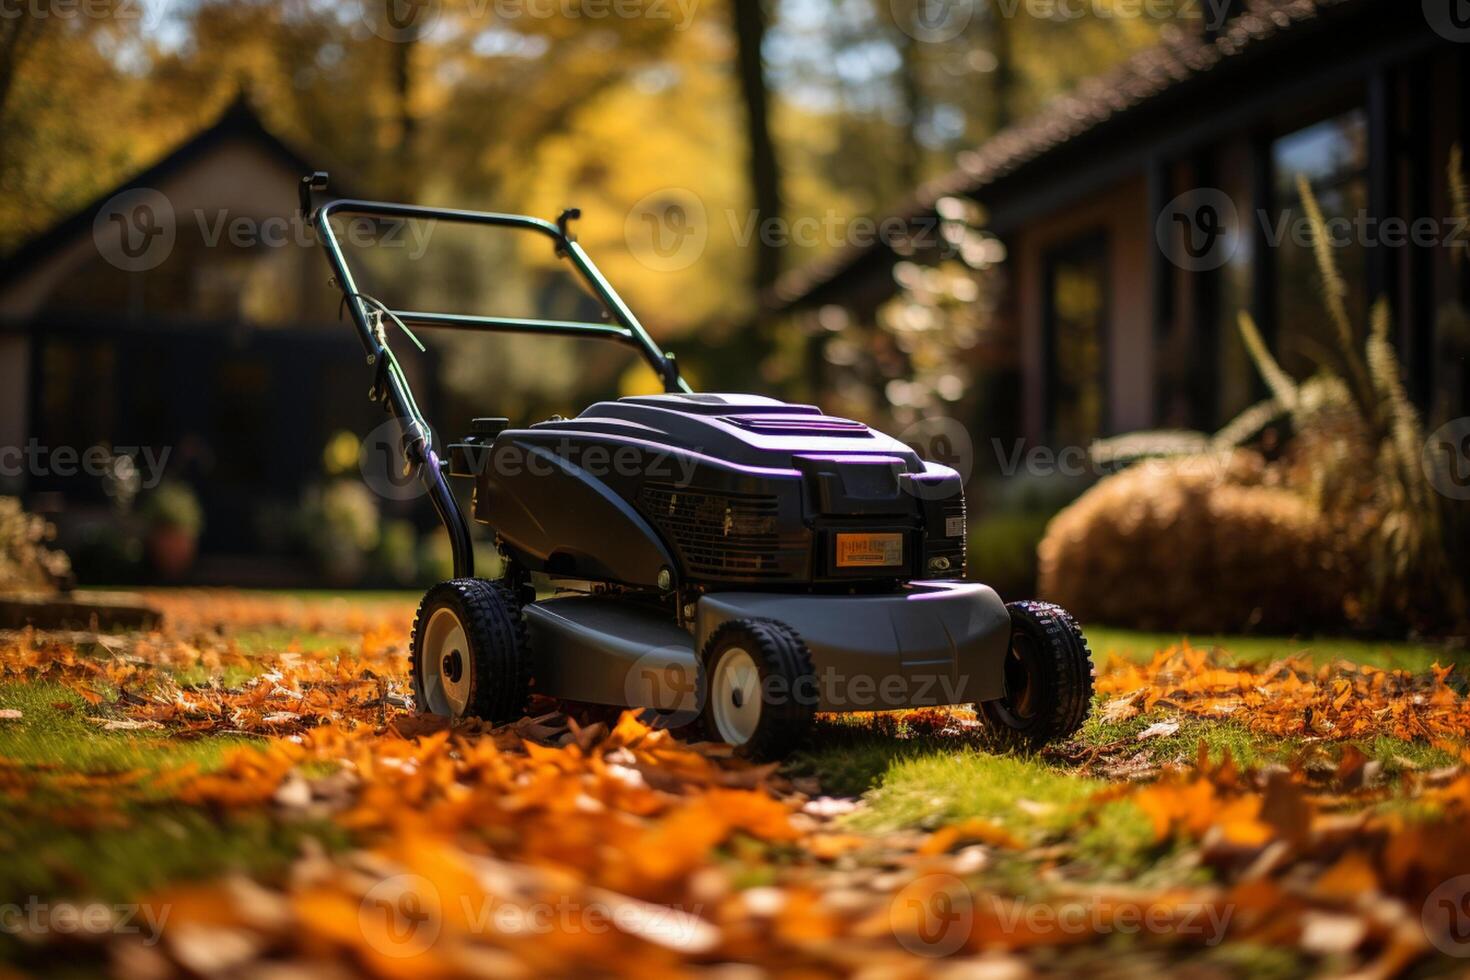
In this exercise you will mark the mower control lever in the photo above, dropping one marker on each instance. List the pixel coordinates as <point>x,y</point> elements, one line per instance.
<point>314,181</point>
<point>563,221</point>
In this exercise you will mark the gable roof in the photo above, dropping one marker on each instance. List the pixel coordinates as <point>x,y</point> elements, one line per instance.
<point>1181,57</point>
<point>237,121</point>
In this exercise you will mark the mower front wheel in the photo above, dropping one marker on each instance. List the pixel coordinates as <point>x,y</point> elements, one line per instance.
<point>761,693</point>
<point>470,656</point>
<point>1048,679</point>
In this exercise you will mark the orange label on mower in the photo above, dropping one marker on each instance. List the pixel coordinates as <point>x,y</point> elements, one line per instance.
<point>869,550</point>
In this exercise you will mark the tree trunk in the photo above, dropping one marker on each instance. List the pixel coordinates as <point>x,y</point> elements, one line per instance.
<point>764,172</point>
<point>405,177</point>
<point>1003,80</point>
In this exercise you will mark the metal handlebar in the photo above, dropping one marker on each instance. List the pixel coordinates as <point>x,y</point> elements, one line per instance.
<point>396,396</point>
<point>627,327</point>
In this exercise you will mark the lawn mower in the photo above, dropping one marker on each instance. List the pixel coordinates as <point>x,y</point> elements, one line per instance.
<point>729,565</point>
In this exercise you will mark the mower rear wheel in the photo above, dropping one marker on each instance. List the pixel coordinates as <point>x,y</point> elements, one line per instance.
<point>761,690</point>
<point>1048,679</point>
<point>470,656</point>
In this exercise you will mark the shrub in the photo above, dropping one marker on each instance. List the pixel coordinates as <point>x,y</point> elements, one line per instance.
<point>173,505</point>
<point>25,561</point>
<point>1349,505</point>
<point>1008,519</point>
<point>396,560</point>
<point>340,525</point>
<point>1199,544</point>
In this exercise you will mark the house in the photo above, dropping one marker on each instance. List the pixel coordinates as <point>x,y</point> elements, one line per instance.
<point>1144,210</point>
<point>184,313</point>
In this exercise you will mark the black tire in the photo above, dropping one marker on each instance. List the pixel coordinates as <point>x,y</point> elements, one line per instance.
<point>1049,675</point>
<point>788,687</point>
<point>493,678</point>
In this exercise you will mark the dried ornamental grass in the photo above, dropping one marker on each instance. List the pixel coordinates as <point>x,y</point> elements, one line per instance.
<point>1191,544</point>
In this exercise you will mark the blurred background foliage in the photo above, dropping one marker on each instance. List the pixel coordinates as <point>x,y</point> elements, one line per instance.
<point>1314,508</point>
<point>715,112</point>
<point>530,113</point>
<point>715,115</point>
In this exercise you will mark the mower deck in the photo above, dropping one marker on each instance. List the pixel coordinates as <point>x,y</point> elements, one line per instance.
<point>932,644</point>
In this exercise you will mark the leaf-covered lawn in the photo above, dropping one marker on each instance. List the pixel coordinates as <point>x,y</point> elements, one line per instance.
<point>253,781</point>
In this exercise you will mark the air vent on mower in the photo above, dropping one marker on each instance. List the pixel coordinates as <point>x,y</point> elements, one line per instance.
<point>721,535</point>
<point>798,425</point>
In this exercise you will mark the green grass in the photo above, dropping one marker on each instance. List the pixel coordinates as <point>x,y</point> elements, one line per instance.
<point>144,841</point>
<point>1249,749</point>
<point>939,786</point>
<point>1414,657</point>
<point>905,783</point>
<point>1182,747</point>
<point>922,783</point>
<point>278,639</point>
<point>358,596</point>
<point>55,731</point>
<point>151,847</point>
<point>926,783</point>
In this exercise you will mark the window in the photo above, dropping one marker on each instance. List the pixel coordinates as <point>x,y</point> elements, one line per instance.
<point>1333,156</point>
<point>77,394</point>
<point>1076,341</point>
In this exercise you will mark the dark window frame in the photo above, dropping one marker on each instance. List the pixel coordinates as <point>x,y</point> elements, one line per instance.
<point>1355,99</point>
<point>1094,243</point>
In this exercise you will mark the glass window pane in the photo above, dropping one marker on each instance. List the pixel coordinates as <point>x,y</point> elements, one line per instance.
<point>1324,153</point>
<point>1077,308</point>
<point>1333,156</point>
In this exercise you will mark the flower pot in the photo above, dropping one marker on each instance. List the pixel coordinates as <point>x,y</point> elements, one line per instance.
<point>171,550</point>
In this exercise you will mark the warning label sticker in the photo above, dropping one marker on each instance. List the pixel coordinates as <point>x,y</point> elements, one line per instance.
<point>869,550</point>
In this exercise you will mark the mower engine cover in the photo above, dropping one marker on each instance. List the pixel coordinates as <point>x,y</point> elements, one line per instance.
<point>723,491</point>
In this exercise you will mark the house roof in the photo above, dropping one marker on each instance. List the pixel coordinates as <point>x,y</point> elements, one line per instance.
<point>1181,56</point>
<point>238,120</point>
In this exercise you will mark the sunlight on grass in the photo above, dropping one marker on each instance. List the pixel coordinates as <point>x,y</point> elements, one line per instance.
<point>153,847</point>
<point>930,782</point>
<point>54,730</point>
<point>1137,646</point>
<point>147,840</point>
<point>939,787</point>
<point>278,639</point>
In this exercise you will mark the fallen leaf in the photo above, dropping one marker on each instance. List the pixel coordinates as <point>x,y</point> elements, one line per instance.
<point>1158,730</point>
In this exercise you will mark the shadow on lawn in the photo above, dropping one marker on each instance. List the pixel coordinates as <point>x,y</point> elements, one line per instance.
<point>849,757</point>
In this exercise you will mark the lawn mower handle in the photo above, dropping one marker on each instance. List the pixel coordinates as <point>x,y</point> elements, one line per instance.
<point>392,388</point>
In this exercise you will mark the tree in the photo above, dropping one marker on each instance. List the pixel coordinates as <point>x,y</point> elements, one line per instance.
<point>764,172</point>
